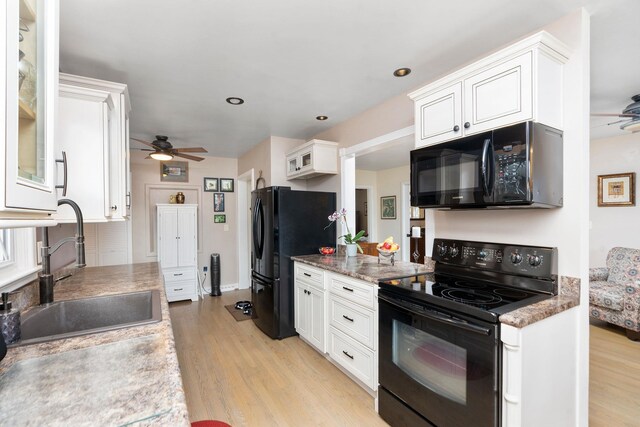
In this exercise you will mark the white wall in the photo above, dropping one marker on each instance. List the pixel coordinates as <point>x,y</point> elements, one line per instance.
<point>613,226</point>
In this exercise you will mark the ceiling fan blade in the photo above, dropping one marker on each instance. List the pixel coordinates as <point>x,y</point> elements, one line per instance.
<point>146,149</point>
<point>614,115</point>
<point>144,142</point>
<point>190,150</point>
<point>148,157</point>
<point>187,156</point>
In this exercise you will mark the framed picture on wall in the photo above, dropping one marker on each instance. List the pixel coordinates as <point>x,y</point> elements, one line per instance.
<point>219,219</point>
<point>174,171</point>
<point>617,189</point>
<point>388,207</point>
<point>218,202</point>
<point>211,184</point>
<point>226,185</point>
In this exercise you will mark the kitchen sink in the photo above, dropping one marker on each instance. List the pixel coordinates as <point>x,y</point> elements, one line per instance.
<point>64,319</point>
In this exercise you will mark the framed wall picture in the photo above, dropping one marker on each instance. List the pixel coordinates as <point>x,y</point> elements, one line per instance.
<point>226,185</point>
<point>219,219</point>
<point>174,171</point>
<point>388,207</point>
<point>617,189</point>
<point>218,202</point>
<point>211,184</point>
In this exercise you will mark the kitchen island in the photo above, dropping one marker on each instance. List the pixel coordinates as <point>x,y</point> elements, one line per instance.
<point>124,376</point>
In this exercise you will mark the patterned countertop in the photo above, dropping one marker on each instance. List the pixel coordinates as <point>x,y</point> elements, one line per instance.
<point>363,267</point>
<point>366,267</point>
<point>113,378</point>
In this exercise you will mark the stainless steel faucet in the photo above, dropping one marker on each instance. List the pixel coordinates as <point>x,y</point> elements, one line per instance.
<point>45,276</point>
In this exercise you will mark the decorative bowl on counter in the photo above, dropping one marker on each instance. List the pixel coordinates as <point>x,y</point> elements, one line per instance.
<point>327,250</point>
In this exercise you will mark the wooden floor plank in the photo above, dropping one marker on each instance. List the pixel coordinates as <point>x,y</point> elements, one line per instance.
<point>233,372</point>
<point>614,377</point>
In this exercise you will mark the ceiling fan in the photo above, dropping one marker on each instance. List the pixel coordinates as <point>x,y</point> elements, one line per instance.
<point>630,115</point>
<point>163,150</point>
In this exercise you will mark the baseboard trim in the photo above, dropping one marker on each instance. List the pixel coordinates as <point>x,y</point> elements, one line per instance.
<point>228,287</point>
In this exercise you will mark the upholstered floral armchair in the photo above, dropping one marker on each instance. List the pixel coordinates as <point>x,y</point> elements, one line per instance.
<point>614,291</point>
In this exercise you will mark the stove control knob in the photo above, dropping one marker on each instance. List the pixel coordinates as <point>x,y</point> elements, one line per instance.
<point>482,254</point>
<point>453,251</point>
<point>442,250</point>
<point>535,260</point>
<point>516,258</point>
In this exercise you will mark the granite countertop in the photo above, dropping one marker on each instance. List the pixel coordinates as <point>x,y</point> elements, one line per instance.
<point>366,267</point>
<point>363,267</point>
<point>125,376</point>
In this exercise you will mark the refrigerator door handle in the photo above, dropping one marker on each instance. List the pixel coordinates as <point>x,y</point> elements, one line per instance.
<point>258,228</point>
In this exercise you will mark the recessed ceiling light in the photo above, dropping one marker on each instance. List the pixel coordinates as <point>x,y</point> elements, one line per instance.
<point>235,101</point>
<point>401,72</point>
<point>321,117</point>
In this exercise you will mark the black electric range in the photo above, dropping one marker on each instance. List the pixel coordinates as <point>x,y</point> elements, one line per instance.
<point>483,280</point>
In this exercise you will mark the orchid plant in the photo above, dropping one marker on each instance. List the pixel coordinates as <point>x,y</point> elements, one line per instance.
<point>348,238</point>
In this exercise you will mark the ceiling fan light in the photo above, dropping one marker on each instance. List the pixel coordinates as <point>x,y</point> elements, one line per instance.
<point>631,126</point>
<point>161,156</point>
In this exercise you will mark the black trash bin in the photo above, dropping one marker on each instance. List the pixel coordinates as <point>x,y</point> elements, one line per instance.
<point>215,275</point>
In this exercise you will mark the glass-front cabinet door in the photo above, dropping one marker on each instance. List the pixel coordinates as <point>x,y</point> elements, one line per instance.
<point>31,91</point>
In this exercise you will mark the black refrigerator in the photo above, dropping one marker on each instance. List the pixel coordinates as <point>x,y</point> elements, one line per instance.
<point>284,223</point>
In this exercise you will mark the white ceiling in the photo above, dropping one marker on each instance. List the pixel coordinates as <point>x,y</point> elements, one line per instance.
<point>293,60</point>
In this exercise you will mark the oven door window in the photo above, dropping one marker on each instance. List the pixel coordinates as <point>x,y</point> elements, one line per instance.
<point>433,362</point>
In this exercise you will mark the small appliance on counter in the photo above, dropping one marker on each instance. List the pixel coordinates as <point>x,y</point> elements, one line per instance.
<point>518,166</point>
<point>9,321</point>
<point>439,334</point>
<point>285,223</point>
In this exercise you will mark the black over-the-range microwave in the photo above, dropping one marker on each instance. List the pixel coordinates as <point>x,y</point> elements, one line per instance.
<point>515,166</point>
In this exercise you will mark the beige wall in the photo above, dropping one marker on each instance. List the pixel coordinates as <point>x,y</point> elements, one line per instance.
<point>389,183</point>
<point>613,226</point>
<point>258,158</point>
<point>213,237</point>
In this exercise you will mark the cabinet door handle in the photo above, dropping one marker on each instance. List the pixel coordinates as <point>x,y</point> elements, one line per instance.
<point>114,207</point>
<point>307,274</point>
<point>178,289</point>
<point>347,289</point>
<point>128,199</point>
<point>348,318</point>
<point>456,128</point>
<point>63,160</point>
<point>347,354</point>
<point>467,125</point>
<point>178,274</point>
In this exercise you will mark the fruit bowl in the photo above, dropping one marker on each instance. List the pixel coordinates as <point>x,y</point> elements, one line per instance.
<point>386,252</point>
<point>327,250</point>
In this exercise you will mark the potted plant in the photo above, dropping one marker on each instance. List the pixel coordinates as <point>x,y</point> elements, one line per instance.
<point>350,240</point>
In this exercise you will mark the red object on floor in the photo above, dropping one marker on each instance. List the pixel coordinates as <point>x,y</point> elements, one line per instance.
<point>209,423</point>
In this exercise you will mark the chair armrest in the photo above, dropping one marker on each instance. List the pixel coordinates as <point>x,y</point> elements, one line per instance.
<point>599,274</point>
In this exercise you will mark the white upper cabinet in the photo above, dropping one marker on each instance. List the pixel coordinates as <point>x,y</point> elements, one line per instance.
<point>29,70</point>
<point>519,83</point>
<point>84,139</point>
<point>117,173</point>
<point>312,159</point>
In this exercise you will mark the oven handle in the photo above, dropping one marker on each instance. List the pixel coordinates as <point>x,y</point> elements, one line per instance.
<point>434,315</point>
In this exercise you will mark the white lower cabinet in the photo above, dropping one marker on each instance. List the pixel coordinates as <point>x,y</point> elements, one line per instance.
<point>310,306</point>
<point>181,283</point>
<point>338,315</point>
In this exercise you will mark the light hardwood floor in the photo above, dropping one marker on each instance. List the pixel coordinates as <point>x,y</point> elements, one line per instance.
<point>234,373</point>
<point>614,377</point>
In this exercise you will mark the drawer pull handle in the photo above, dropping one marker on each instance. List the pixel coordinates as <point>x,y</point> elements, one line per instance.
<point>347,289</point>
<point>307,274</point>
<point>348,355</point>
<point>178,274</point>
<point>347,317</point>
<point>178,289</point>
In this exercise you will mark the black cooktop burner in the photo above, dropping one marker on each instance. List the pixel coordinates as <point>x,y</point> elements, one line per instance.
<point>478,298</point>
<point>483,299</point>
